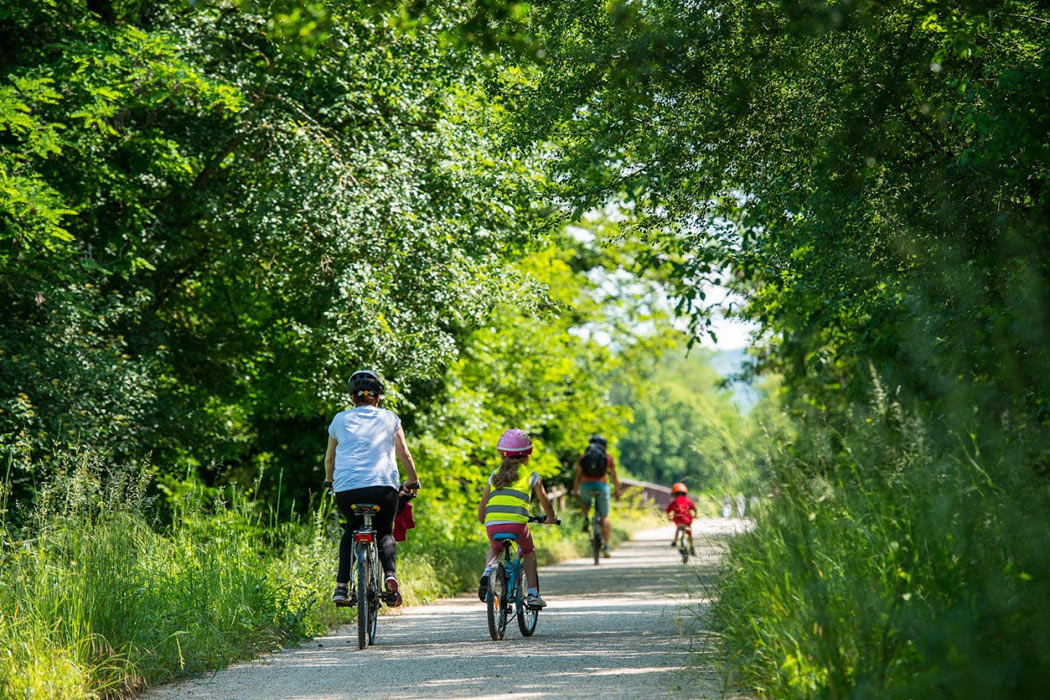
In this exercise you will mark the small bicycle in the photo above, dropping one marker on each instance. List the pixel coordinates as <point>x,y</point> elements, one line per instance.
<point>366,575</point>
<point>507,588</point>
<point>684,549</point>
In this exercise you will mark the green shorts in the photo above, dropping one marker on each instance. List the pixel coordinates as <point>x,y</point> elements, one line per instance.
<point>596,492</point>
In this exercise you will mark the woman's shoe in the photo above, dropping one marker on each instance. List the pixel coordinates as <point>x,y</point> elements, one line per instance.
<point>392,597</point>
<point>341,597</point>
<point>483,586</point>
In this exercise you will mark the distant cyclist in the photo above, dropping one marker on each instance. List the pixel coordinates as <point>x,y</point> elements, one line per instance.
<point>360,467</point>
<point>682,510</point>
<point>504,507</point>
<point>590,484</point>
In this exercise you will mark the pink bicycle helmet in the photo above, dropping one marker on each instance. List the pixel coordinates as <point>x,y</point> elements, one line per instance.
<point>514,443</point>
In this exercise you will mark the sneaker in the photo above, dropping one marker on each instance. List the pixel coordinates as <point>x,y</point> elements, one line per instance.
<point>341,597</point>
<point>392,597</point>
<point>605,552</point>
<point>586,524</point>
<point>533,600</point>
<point>483,586</point>
<point>673,543</point>
<point>692,551</point>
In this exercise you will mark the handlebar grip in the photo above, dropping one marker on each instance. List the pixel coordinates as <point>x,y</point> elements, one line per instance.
<point>410,487</point>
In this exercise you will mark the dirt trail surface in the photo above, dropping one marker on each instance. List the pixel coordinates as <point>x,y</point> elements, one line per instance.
<point>609,631</point>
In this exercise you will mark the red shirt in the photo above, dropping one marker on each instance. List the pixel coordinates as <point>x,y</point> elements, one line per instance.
<point>683,510</point>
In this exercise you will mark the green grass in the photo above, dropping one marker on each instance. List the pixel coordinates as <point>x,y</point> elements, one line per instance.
<point>99,601</point>
<point>98,598</point>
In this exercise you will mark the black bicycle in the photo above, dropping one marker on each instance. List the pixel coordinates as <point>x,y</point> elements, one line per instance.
<point>366,574</point>
<point>596,534</point>
<point>506,597</point>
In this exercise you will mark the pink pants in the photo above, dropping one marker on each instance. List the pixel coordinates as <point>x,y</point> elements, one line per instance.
<point>519,529</point>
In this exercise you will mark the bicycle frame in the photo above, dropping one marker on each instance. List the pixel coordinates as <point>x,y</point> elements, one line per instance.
<point>514,568</point>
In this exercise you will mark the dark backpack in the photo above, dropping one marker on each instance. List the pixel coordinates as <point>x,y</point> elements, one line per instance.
<point>594,461</point>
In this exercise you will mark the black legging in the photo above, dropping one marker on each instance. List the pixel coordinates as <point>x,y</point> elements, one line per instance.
<point>386,498</point>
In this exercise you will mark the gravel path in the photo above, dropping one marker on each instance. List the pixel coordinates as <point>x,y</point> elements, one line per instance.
<point>609,631</point>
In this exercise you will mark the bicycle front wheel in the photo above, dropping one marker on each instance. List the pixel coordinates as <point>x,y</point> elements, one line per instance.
<point>363,602</point>
<point>496,603</point>
<point>527,617</point>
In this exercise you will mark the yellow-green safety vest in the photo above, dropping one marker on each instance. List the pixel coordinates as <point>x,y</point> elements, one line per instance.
<point>510,504</point>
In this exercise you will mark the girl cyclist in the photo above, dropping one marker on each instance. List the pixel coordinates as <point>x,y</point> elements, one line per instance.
<point>360,467</point>
<point>504,507</point>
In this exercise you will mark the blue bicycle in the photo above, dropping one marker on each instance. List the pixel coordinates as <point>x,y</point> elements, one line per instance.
<point>507,588</point>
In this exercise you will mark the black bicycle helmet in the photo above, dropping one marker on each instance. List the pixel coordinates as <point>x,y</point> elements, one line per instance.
<point>599,439</point>
<point>366,380</point>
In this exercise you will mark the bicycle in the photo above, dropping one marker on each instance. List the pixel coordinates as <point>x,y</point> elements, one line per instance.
<point>507,588</point>
<point>683,548</point>
<point>596,534</point>
<point>366,575</point>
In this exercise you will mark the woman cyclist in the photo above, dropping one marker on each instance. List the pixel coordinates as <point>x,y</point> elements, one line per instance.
<point>504,507</point>
<point>360,467</point>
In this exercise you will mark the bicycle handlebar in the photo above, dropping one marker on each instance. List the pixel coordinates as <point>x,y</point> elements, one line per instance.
<point>543,519</point>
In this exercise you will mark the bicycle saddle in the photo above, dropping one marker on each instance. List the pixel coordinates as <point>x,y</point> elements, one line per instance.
<point>505,536</point>
<point>364,507</point>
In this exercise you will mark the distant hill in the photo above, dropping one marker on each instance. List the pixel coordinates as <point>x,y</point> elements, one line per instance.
<point>729,363</point>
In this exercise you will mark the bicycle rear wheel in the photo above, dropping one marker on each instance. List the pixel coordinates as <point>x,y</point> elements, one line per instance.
<point>373,599</point>
<point>496,602</point>
<point>527,617</point>
<point>363,602</point>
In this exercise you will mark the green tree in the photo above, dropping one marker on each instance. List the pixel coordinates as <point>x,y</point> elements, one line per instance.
<point>684,428</point>
<point>212,212</point>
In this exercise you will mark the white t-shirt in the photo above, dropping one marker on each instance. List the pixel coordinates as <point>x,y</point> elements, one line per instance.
<point>365,453</point>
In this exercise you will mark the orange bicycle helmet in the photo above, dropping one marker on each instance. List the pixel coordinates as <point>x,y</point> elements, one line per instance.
<point>679,487</point>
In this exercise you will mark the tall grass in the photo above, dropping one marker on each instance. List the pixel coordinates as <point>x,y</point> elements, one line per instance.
<point>98,597</point>
<point>892,565</point>
<point>97,600</point>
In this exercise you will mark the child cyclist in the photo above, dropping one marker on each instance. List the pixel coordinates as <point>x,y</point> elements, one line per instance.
<point>681,510</point>
<point>504,507</point>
